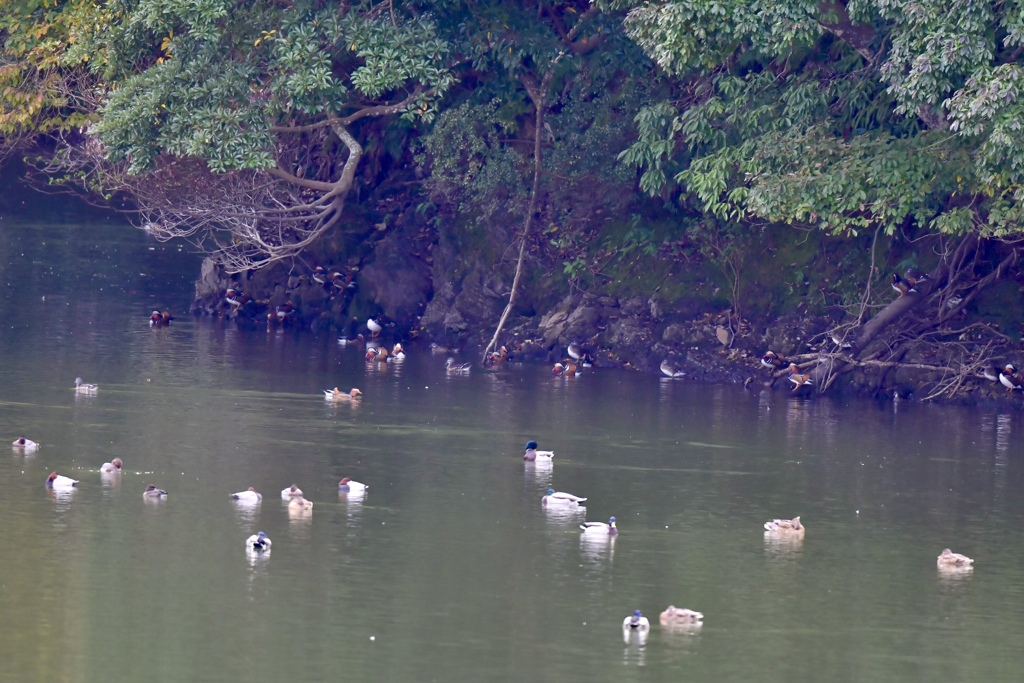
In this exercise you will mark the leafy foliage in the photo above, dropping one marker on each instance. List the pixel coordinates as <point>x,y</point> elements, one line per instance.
<point>891,113</point>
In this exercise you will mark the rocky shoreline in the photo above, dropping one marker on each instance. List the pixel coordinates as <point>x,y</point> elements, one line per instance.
<point>616,332</point>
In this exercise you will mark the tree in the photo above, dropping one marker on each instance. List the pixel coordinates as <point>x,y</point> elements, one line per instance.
<point>898,116</point>
<point>241,126</point>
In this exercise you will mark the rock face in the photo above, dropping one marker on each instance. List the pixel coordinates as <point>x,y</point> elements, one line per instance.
<point>457,304</point>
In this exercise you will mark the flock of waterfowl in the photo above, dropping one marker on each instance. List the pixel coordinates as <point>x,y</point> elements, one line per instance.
<point>257,543</point>
<point>636,624</point>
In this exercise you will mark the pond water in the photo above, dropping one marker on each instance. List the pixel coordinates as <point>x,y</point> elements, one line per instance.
<point>449,568</point>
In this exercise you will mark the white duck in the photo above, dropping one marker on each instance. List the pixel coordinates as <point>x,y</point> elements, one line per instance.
<point>258,542</point>
<point>636,622</point>
<point>24,445</point>
<point>598,529</point>
<point>374,327</point>
<point>533,455</point>
<point>292,491</point>
<point>300,503</point>
<point>82,388</point>
<point>554,497</point>
<point>59,481</point>
<point>247,496</point>
<point>346,485</point>
<point>111,467</point>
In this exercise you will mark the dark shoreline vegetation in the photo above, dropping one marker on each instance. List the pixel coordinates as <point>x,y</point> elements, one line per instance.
<point>839,186</point>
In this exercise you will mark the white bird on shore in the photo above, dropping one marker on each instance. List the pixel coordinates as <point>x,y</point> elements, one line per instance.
<point>670,370</point>
<point>374,327</point>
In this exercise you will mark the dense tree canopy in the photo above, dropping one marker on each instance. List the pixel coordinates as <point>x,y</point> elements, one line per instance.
<point>840,115</point>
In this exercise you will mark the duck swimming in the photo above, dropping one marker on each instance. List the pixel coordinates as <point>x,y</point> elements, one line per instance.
<point>338,395</point>
<point>112,466</point>
<point>82,388</point>
<point>346,485</point>
<point>300,503</point>
<point>247,496</point>
<point>785,527</point>
<point>258,542</point>
<point>950,560</point>
<point>532,454</point>
<point>598,529</point>
<point>397,352</point>
<point>678,616</point>
<point>57,481</point>
<point>560,498</point>
<point>23,444</point>
<point>636,622</point>
<point>292,491</point>
<point>153,492</point>
<point>456,369</point>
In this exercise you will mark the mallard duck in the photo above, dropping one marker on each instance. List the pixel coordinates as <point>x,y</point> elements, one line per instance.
<point>532,454</point>
<point>338,395</point>
<point>83,388</point>
<point>299,503</point>
<point>902,285</point>
<point>374,327</point>
<point>950,560</point>
<point>112,466</point>
<point>679,616</point>
<point>454,368</point>
<point>600,528</point>
<point>799,379</point>
<point>669,369</point>
<point>258,541</point>
<point>58,481</point>
<point>553,497</point>
<point>565,369</point>
<point>789,527</point>
<point>292,491</point>
<point>158,319</point>
<point>397,352</point>
<point>1010,378</point>
<point>247,496</point>
<point>636,622</point>
<point>346,485</point>
<point>153,492</point>
<point>23,444</point>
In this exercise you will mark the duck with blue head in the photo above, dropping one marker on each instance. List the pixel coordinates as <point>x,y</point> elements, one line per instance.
<point>636,622</point>
<point>533,455</point>
<point>553,497</point>
<point>258,542</point>
<point>599,529</point>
